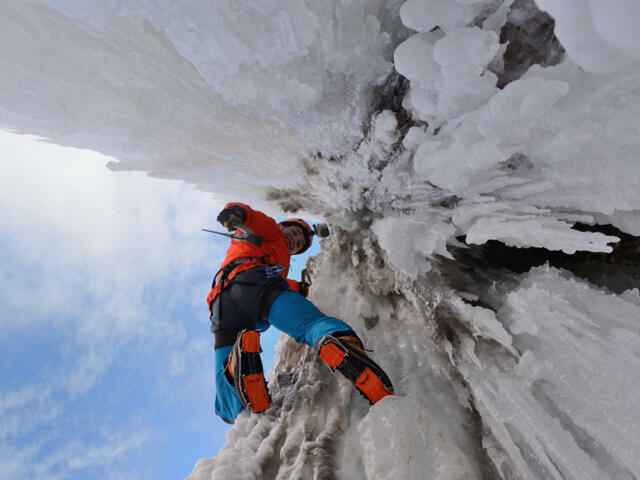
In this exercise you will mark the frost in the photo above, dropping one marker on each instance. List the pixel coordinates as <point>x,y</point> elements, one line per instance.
<point>415,136</point>
<point>190,90</point>
<point>385,127</point>
<point>408,241</point>
<point>425,15</point>
<point>570,399</point>
<point>501,371</point>
<point>600,36</point>
<point>415,444</point>
<point>447,72</point>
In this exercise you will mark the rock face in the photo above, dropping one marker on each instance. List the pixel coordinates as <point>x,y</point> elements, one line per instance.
<point>483,199</point>
<point>530,39</point>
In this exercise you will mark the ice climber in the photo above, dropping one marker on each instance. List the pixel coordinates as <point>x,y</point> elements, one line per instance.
<point>250,292</point>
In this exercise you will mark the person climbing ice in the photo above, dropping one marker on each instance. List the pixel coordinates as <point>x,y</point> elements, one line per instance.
<point>251,291</point>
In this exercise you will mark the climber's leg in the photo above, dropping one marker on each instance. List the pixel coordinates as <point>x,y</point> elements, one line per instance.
<point>228,404</point>
<point>337,343</point>
<point>296,316</point>
<point>242,371</point>
<point>346,354</point>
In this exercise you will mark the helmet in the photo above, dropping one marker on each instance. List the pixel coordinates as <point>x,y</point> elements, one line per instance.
<point>306,229</point>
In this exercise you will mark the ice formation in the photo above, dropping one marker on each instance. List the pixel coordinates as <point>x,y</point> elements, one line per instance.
<point>477,161</point>
<point>216,93</point>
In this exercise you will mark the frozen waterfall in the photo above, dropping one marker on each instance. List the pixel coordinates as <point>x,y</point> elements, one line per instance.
<point>478,163</point>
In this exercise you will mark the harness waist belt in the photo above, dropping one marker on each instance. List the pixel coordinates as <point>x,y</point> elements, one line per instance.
<point>231,266</point>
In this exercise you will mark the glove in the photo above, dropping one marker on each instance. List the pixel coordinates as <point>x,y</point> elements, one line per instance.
<point>303,288</point>
<point>232,214</point>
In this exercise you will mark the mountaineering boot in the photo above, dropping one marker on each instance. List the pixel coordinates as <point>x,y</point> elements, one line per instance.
<point>347,355</point>
<point>245,367</point>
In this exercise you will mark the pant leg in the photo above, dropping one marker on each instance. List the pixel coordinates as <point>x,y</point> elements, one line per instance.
<point>228,404</point>
<point>294,315</point>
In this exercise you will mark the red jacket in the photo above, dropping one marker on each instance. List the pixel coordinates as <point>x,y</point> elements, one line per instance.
<point>274,247</point>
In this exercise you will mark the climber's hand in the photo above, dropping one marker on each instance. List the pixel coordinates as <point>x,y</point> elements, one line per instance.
<point>231,215</point>
<point>303,288</point>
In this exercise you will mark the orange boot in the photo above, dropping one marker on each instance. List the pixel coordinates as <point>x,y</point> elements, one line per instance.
<point>245,367</point>
<point>347,355</point>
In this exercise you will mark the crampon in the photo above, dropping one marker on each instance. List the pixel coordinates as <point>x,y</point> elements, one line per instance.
<point>246,367</point>
<point>347,355</point>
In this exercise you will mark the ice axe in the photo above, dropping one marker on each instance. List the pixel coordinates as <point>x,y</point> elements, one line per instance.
<point>321,230</point>
<point>305,277</point>
<point>247,234</point>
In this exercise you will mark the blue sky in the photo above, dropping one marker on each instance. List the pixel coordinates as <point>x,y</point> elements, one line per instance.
<point>105,352</point>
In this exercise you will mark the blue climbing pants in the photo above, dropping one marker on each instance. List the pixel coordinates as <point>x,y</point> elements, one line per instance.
<point>292,314</point>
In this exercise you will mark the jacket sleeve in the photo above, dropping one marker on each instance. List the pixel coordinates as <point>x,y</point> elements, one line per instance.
<point>257,221</point>
<point>293,285</point>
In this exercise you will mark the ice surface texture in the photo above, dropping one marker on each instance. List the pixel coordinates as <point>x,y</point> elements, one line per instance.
<point>600,36</point>
<point>529,376</point>
<point>522,159</point>
<point>565,406</point>
<point>216,94</point>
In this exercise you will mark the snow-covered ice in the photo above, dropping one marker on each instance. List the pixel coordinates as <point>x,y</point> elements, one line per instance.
<point>600,36</point>
<point>425,132</point>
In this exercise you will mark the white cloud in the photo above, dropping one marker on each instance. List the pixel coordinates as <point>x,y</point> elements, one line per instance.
<point>20,398</point>
<point>88,368</point>
<point>25,410</point>
<point>88,250</point>
<point>18,462</point>
<point>112,455</point>
<point>73,227</point>
<point>93,263</point>
<point>115,446</point>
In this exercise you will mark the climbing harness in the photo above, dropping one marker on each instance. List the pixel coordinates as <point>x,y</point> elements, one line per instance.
<point>273,271</point>
<point>231,266</point>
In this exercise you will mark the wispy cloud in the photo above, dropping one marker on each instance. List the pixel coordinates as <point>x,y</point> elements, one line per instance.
<point>101,268</point>
<point>18,462</point>
<point>115,446</point>
<point>26,409</point>
<point>112,455</point>
<point>72,228</point>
